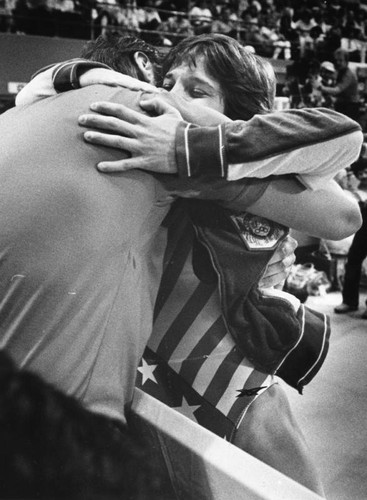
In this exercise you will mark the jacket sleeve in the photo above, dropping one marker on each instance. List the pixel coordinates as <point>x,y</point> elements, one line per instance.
<point>313,143</point>
<point>278,334</point>
<point>301,363</point>
<point>66,75</point>
<point>55,78</point>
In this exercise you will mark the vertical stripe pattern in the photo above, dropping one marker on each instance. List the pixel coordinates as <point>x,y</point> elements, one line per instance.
<point>190,335</point>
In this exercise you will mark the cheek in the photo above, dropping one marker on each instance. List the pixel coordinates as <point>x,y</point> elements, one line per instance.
<point>215,103</point>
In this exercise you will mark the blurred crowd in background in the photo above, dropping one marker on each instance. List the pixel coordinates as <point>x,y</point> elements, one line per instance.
<point>303,33</point>
<point>288,29</point>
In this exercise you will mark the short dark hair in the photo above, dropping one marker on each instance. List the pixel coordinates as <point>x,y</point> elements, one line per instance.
<point>118,53</point>
<point>342,52</point>
<point>52,447</point>
<point>247,81</point>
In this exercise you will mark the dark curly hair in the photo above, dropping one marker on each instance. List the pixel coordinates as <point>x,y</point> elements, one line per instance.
<point>118,53</point>
<point>51,447</point>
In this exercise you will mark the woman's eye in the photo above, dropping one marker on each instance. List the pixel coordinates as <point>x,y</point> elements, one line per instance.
<point>198,93</point>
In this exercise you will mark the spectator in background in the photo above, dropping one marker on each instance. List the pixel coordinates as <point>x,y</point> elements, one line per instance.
<point>351,42</point>
<point>108,12</point>
<point>287,29</point>
<point>292,87</point>
<point>201,17</point>
<point>269,15</point>
<point>358,250</point>
<point>151,22</point>
<point>346,88</point>
<point>226,22</point>
<point>303,26</point>
<point>311,89</point>
<point>317,76</point>
<point>305,22</point>
<point>129,16</point>
<point>328,74</point>
<point>63,5</point>
<point>165,7</point>
<point>332,39</point>
<point>251,15</point>
<point>176,27</point>
<point>252,36</point>
<point>360,21</point>
<point>275,42</point>
<point>328,79</point>
<point>6,21</point>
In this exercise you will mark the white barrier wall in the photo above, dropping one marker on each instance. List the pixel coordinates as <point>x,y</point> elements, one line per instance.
<point>203,466</point>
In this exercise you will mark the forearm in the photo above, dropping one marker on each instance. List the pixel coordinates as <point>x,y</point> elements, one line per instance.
<point>343,84</point>
<point>54,79</point>
<point>311,212</point>
<point>38,88</point>
<point>331,90</point>
<point>311,141</point>
<point>283,200</point>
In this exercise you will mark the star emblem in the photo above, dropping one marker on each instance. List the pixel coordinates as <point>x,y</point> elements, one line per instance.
<point>187,410</point>
<point>147,372</point>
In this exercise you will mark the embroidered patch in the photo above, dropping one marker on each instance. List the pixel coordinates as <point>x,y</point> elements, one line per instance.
<point>257,232</point>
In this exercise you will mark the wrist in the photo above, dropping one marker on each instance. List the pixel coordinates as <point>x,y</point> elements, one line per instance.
<point>191,141</point>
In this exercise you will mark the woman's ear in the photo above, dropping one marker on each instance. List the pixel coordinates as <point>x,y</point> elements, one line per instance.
<point>145,66</point>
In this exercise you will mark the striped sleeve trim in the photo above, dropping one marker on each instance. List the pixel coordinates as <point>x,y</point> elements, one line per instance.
<point>301,316</point>
<point>187,151</point>
<point>66,75</point>
<point>200,151</point>
<point>303,362</point>
<point>321,357</point>
<point>221,151</point>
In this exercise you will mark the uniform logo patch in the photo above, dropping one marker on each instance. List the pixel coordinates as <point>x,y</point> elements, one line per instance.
<point>257,232</point>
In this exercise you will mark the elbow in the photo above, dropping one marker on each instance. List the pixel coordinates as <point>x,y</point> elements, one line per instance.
<point>347,224</point>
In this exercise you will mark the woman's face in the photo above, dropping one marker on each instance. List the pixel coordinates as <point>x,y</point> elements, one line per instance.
<point>194,84</point>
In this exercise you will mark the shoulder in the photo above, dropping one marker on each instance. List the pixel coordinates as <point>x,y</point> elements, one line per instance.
<point>78,101</point>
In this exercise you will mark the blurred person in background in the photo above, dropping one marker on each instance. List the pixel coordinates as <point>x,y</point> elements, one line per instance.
<point>226,21</point>
<point>201,17</point>
<point>345,90</point>
<point>358,250</point>
<point>328,79</point>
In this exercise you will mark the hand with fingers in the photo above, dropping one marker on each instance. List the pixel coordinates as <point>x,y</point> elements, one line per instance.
<point>149,139</point>
<point>280,264</point>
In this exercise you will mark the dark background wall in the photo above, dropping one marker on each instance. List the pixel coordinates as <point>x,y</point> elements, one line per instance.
<point>23,55</point>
